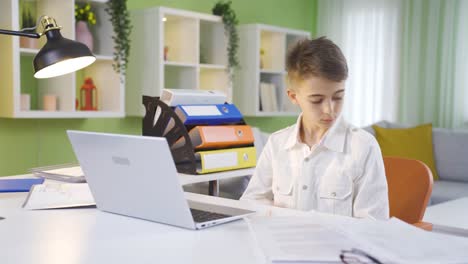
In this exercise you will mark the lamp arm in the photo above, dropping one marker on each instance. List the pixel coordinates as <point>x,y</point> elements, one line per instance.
<point>20,33</point>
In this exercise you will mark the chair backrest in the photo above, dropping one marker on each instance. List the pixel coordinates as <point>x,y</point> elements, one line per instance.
<point>409,188</point>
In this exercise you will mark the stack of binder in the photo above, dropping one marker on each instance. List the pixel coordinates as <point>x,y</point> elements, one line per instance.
<point>204,138</point>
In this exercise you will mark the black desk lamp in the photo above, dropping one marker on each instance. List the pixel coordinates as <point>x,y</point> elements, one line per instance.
<point>59,55</point>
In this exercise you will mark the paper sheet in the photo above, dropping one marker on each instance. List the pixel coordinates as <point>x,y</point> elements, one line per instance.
<point>298,239</point>
<point>318,238</point>
<point>53,195</point>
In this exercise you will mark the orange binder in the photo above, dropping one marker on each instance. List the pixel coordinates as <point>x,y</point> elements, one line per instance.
<point>216,137</point>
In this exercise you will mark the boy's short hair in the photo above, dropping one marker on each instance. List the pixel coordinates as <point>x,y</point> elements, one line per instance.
<point>317,57</point>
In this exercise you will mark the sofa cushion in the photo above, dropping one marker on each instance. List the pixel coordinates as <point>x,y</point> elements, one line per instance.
<point>451,154</point>
<point>413,143</point>
<point>443,191</point>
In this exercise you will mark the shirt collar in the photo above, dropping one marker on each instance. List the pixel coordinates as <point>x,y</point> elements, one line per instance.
<point>334,139</point>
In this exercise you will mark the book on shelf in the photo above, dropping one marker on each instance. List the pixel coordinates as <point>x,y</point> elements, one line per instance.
<point>63,172</point>
<point>268,97</point>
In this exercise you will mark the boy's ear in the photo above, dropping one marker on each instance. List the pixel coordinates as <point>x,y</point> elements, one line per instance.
<point>292,95</point>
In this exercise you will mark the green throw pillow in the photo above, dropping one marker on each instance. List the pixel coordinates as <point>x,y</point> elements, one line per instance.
<point>412,143</point>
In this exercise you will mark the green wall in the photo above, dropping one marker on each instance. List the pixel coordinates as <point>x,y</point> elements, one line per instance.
<point>26,143</point>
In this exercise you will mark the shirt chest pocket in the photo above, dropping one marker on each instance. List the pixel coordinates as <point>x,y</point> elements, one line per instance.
<point>335,190</point>
<point>283,189</point>
<point>336,199</point>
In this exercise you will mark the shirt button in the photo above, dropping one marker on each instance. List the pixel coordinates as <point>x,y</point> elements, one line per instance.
<point>306,159</point>
<point>304,187</point>
<point>277,188</point>
<point>333,194</point>
<point>354,130</point>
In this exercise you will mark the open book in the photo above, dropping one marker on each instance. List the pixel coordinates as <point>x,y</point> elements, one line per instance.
<point>63,172</point>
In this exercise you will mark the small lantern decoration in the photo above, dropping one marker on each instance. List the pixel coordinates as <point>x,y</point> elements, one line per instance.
<point>88,96</point>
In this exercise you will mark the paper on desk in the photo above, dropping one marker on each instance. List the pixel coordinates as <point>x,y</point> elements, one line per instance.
<point>405,243</point>
<point>320,238</point>
<point>67,174</point>
<point>63,195</point>
<point>289,239</point>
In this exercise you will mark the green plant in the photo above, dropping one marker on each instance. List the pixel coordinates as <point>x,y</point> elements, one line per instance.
<point>120,19</point>
<point>85,13</point>
<point>230,22</point>
<point>27,19</point>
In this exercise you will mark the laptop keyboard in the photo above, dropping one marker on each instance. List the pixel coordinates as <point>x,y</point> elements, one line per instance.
<point>203,216</point>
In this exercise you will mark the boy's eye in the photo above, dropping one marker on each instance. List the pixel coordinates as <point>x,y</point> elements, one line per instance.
<point>337,98</point>
<point>317,101</point>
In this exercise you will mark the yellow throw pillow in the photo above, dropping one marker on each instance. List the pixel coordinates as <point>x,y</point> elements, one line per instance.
<point>412,143</point>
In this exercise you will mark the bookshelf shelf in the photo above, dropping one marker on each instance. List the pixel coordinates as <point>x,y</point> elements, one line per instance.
<point>174,49</point>
<point>17,72</point>
<point>260,84</point>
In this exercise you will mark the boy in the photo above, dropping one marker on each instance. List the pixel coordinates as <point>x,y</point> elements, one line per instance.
<point>321,163</point>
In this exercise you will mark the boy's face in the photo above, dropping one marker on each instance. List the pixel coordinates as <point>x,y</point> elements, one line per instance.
<point>320,100</point>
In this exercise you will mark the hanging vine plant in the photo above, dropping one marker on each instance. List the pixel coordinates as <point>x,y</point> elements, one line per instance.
<point>120,19</point>
<point>230,22</point>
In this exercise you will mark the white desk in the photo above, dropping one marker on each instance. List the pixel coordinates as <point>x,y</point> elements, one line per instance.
<point>449,217</point>
<point>91,236</point>
<point>185,179</point>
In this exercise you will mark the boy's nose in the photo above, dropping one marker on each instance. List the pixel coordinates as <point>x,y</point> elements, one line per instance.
<point>327,107</point>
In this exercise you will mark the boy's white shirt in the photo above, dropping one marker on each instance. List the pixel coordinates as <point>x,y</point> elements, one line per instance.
<point>343,174</point>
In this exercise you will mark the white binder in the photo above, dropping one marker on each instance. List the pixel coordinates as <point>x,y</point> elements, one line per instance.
<point>173,97</point>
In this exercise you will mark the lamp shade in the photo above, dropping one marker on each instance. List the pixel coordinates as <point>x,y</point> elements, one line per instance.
<point>60,56</point>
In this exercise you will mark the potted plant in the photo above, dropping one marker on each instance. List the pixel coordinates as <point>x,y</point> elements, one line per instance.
<point>28,23</point>
<point>84,16</point>
<point>120,19</point>
<point>230,22</point>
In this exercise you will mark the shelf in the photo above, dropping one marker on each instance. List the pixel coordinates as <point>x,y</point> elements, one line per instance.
<point>180,35</point>
<point>261,82</point>
<point>213,66</point>
<point>183,77</point>
<point>214,79</point>
<point>18,71</point>
<point>175,49</point>
<point>104,57</point>
<point>68,114</point>
<point>179,64</point>
<point>213,44</point>
<point>27,51</point>
<point>273,45</point>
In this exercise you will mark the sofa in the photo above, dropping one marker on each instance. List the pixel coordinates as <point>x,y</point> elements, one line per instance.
<point>451,161</point>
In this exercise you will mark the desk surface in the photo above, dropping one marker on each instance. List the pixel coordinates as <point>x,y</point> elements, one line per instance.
<point>91,236</point>
<point>185,178</point>
<point>452,214</point>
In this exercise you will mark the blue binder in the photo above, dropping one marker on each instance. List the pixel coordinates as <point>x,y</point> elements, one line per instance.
<point>208,114</point>
<point>18,185</point>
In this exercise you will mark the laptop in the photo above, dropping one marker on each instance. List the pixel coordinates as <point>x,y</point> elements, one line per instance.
<point>136,176</point>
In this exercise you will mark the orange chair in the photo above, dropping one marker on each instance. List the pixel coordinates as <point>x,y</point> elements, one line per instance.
<point>409,188</point>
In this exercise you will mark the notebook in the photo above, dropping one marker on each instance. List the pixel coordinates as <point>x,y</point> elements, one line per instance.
<point>136,176</point>
<point>18,185</point>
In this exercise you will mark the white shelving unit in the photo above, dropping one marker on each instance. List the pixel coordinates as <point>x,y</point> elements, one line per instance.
<point>16,70</point>
<point>267,68</point>
<point>196,54</point>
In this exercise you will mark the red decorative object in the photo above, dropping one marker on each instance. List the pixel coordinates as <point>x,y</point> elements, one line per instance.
<point>88,96</point>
